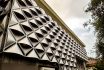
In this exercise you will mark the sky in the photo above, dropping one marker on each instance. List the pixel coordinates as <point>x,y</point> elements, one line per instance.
<point>72,13</point>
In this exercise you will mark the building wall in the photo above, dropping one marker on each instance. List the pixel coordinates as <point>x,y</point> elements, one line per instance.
<point>17,62</point>
<point>59,21</point>
<point>33,34</point>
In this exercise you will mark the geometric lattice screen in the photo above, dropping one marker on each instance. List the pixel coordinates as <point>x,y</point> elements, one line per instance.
<point>32,33</point>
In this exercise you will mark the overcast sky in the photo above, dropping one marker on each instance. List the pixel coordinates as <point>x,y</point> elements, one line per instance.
<point>72,12</point>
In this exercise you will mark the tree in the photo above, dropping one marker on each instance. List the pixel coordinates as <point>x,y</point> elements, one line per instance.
<point>99,65</point>
<point>96,8</point>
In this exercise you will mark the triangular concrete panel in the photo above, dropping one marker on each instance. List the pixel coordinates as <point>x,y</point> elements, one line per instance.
<point>54,59</point>
<point>45,57</point>
<point>32,54</point>
<point>9,39</point>
<point>15,5</point>
<point>14,49</point>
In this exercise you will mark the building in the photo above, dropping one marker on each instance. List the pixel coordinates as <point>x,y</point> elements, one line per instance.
<point>91,63</point>
<point>33,37</point>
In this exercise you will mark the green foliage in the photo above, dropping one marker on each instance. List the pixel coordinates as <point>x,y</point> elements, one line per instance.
<point>100,65</point>
<point>96,8</point>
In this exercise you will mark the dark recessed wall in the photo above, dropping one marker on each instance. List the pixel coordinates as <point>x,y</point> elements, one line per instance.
<point>16,62</point>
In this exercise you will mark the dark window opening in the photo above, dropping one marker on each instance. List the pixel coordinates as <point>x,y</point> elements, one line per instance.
<point>1,33</point>
<point>50,26</point>
<point>43,31</point>
<point>27,28</point>
<point>33,12</point>
<point>61,47</point>
<point>39,22</point>
<point>63,43</point>
<point>33,40</point>
<point>1,12</point>
<point>52,36</point>
<point>58,28</point>
<point>25,46</point>
<point>45,45</point>
<point>48,40</point>
<point>47,28</point>
<point>21,3</point>
<point>65,37</point>
<point>28,3</point>
<point>27,14</point>
<point>53,24</point>
<point>59,37</point>
<point>38,11</point>
<point>50,54</point>
<point>46,18</point>
<point>40,51</point>
<point>39,35</point>
<point>54,33</point>
<point>61,34</point>
<point>3,3</point>
<point>55,44</point>
<point>53,49</point>
<point>57,40</point>
<point>19,16</point>
<point>33,25</point>
<point>43,20</point>
<point>17,33</point>
<point>64,40</point>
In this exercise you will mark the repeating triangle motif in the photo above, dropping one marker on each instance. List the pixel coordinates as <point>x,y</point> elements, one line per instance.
<point>34,34</point>
<point>9,40</point>
<point>45,57</point>
<point>33,54</point>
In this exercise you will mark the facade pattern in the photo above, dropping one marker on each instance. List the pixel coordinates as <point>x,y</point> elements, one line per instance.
<point>33,34</point>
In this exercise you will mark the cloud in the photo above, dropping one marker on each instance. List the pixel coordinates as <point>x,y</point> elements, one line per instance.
<point>77,8</point>
<point>69,8</point>
<point>60,7</point>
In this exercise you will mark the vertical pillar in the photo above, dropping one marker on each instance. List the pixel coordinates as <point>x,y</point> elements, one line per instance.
<point>0,61</point>
<point>84,63</point>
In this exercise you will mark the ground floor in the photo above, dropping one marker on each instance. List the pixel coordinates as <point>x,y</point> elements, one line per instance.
<point>17,62</point>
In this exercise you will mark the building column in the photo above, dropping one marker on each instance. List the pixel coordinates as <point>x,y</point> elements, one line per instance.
<point>84,63</point>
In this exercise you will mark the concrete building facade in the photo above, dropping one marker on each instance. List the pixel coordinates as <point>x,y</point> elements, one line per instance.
<point>33,37</point>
